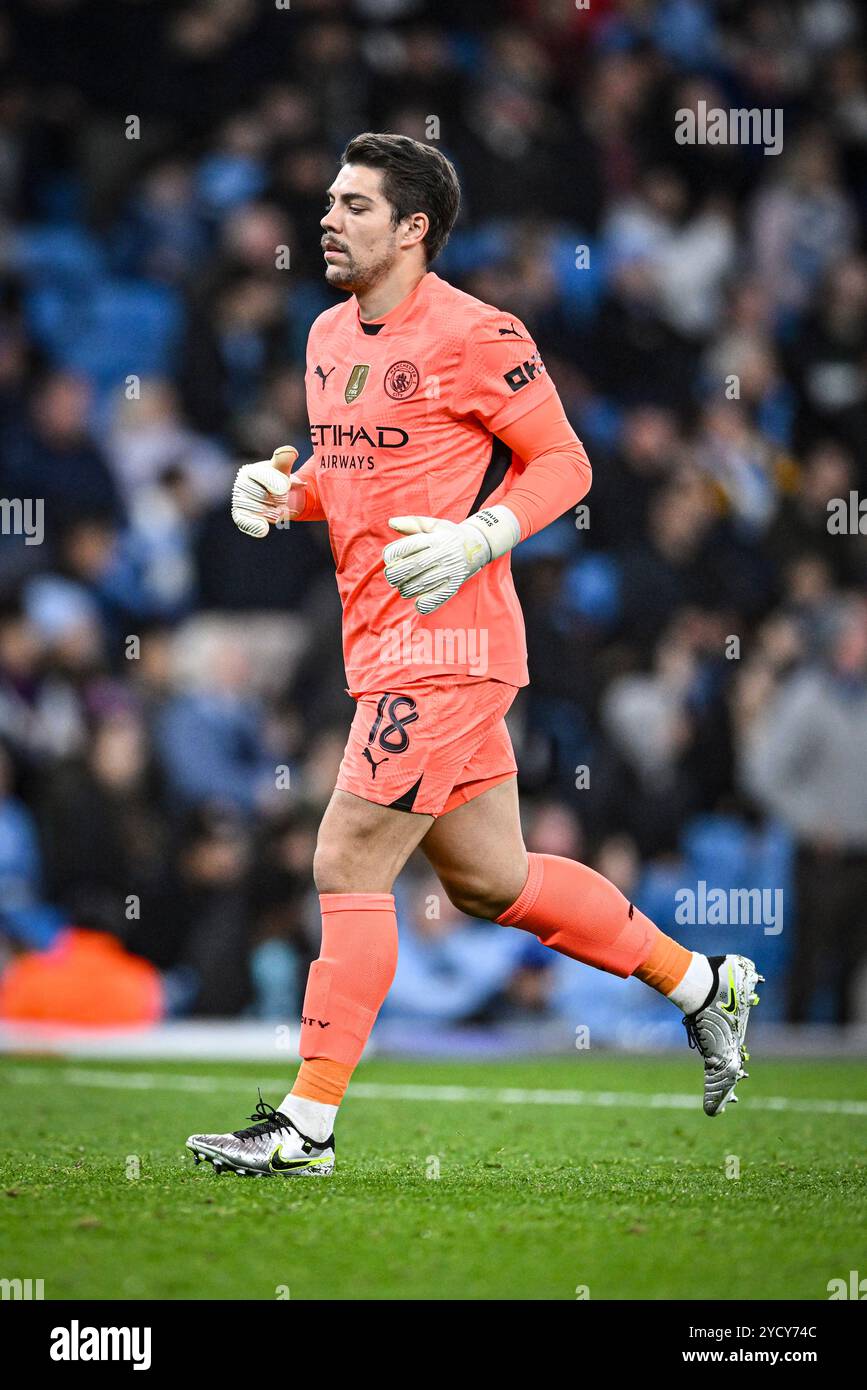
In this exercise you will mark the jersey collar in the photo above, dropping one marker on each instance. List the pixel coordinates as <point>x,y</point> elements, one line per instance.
<point>402,311</point>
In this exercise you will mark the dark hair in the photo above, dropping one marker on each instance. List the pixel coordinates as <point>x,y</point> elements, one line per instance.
<point>416,178</point>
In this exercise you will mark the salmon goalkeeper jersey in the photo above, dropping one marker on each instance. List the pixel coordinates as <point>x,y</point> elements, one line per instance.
<point>403,422</point>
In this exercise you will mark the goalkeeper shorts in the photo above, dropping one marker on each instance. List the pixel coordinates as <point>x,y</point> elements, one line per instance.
<point>429,746</point>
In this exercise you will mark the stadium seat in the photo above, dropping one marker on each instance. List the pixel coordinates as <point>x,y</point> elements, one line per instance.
<point>117,328</point>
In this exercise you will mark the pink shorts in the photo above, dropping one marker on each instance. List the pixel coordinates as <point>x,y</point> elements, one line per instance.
<point>429,747</point>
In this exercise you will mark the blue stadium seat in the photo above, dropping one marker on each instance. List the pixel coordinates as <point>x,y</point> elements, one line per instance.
<point>115,328</point>
<point>58,255</point>
<point>592,587</point>
<point>581,288</point>
<point>476,248</point>
<point>227,181</point>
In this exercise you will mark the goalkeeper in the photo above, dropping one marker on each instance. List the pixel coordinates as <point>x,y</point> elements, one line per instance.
<point>439,443</point>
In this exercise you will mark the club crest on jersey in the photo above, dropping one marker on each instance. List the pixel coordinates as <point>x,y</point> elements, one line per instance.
<point>356,383</point>
<point>401,380</point>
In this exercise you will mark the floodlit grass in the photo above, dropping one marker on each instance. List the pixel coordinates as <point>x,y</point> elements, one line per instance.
<point>99,1198</point>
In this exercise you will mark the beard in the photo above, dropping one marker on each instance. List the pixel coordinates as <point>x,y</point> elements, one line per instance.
<point>357,277</point>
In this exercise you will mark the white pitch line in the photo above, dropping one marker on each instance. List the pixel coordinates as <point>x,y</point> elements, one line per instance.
<point>366,1090</point>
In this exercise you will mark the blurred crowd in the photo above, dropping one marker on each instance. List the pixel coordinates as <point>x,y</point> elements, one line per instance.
<point>172,702</point>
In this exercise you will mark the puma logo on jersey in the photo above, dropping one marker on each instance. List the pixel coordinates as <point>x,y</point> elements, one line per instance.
<point>510,331</point>
<point>374,765</point>
<point>323,375</point>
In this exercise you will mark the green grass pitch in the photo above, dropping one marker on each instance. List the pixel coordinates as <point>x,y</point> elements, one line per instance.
<point>622,1190</point>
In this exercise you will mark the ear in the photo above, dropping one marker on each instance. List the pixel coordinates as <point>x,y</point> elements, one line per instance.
<point>416,228</point>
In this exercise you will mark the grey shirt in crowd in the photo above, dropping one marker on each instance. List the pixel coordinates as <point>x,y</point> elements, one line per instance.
<point>805,760</point>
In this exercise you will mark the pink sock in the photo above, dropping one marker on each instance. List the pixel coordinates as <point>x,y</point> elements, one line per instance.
<point>577,912</point>
<point>348,983</point>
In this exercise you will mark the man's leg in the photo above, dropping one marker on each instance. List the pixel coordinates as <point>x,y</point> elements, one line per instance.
<point>361,849</point>
<point>478,853</point>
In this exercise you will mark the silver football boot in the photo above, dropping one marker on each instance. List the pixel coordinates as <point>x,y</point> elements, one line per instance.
<point>719,1027</point>
<point>271,1145</point>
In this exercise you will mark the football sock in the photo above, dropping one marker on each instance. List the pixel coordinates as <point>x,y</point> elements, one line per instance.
<point>675,971</point>
<point>689,991</point>
<point>322,1080</point>
<point>576,911</point>
<point>345,991</point>
<point>313,1118</point>
<point>696,992</point>
<point>312,1103</point>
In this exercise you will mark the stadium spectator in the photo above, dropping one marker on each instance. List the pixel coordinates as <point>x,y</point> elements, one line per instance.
<point>703,309</point>
<point>805,758</point>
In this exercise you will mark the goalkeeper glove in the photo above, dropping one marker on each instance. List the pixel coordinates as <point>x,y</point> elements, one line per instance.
<point>262,493</point>
<point>438,556</point>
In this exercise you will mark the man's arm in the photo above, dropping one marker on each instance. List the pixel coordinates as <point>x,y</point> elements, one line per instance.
<point>502,382</point>
<point>438,556</point>
<point>557,473</point>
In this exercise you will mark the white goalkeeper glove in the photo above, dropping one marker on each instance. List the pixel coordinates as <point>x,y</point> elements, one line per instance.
<point>438,556</point>
<point>263,493</point>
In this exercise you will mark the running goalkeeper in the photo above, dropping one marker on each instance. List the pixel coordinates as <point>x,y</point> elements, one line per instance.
<point>409,384</point>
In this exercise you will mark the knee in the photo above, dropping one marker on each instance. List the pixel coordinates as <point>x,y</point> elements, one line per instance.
<point>479,896</point>
<point>332,868</point>
<point>344,864</point>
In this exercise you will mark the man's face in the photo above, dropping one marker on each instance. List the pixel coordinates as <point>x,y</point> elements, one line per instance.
<point>359,241</point>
